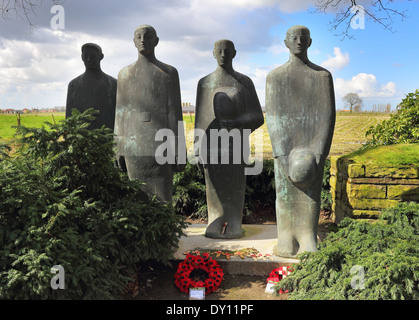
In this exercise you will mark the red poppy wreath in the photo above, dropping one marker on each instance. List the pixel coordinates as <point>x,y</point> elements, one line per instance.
<point>199,272</point>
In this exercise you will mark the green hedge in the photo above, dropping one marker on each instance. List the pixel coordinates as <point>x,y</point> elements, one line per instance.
<point>63,202</point>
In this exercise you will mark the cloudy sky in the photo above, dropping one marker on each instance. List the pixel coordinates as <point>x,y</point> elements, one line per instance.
<point>37,64</point>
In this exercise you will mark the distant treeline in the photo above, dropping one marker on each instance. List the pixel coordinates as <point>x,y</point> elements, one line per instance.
<point>381,107</point>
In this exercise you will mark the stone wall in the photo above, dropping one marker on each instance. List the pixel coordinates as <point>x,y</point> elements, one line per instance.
<point>363,191</point>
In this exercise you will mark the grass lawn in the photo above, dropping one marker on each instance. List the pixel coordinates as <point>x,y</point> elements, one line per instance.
<point>388,156</point>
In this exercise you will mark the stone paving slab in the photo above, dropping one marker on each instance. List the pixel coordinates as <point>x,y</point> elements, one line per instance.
<point>263,238</point>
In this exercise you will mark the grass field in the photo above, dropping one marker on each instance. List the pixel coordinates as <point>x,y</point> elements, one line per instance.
<point>349,133</point>
<point>9,122</point>
<point>348,136</point>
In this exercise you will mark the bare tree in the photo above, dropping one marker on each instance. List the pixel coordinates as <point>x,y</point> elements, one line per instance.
<point>353,99</point>
<point>22,8</point>
<point>347,11</point>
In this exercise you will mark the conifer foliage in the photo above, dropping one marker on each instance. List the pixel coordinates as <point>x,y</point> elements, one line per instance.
<point>63,202</point>
<point>363,261</point>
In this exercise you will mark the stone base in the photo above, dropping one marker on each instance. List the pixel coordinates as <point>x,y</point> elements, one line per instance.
<point>263,238</point>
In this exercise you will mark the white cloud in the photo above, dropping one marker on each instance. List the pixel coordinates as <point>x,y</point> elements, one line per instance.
<point>286,6</point>
<point>338,61</point>
<point>278,48</point>
<point>36,74</point>
<point>187,31</point>
<point>291,6</point>
<point>366,86</point>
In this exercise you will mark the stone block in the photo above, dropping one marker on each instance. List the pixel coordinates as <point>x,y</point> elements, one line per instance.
<point>399,173</point>
<point>366,214</point>
<point>367,191</point>
<point>333,181</point>
<point>335,187</point>
<point>371,204</point>
<point>334,164</point>
<point>403,192</point>
<point>356,171</point>
<point>337,212</point>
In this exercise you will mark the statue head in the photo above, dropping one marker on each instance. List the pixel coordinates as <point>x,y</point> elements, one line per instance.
<point>224,52</point>
<point>91,54</point>
<point>145,39</point>
<point>298,40</point>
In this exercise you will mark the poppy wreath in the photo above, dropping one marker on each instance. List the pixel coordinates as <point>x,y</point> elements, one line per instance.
<point>204,262</point>
<point>278,274</point>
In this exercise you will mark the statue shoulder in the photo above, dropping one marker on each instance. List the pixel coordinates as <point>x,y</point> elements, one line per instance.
<point>279,72</point>
<point>206,81</point>
<point>244,79</point>
<point>321,71</point>
<point>109,78</point>
<point>76,81</point>
<point>167,68</point>
<point>125,72</point>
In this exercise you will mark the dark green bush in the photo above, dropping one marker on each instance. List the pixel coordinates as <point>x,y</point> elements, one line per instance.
<point>189,198</point>
<point>260,189</point>
<point>386,250</point>
<point>63,202</point>
<point>402,127</point>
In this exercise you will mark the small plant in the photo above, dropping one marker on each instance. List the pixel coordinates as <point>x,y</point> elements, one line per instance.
<point>386,251</point>
<point>189,198</point>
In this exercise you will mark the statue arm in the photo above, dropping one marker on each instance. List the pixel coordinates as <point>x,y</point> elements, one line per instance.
<point>272,116</point>
<point>325,135</point>
<point>197,125</point>
<point>70,100</point>
<point>121,104</point>
<point>252,118</point>
<point>175,116</point>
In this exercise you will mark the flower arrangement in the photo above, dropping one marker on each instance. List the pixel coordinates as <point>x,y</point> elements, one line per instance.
<point>185,279</point>
<point>278,274</point>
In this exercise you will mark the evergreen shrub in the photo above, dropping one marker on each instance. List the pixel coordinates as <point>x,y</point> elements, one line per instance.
<point>63,202</point>
<point>362,261</point>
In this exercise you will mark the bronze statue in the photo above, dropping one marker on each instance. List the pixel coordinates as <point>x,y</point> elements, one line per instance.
<point>300,115</point>
<point>226,104</point>
<point>93,89</point>
<point>148,100</point>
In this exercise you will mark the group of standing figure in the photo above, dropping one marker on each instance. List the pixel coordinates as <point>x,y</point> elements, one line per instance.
<point>300,115</point>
